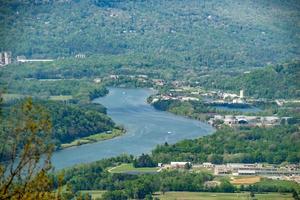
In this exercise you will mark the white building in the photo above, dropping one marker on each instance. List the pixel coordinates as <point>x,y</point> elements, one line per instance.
<point>5,58</point>
<point>80,55</point>
<point>97,80</point>
<point>22,59</point>
<point>208,165</point>
<point>241,94</point>
<point>179,164</point>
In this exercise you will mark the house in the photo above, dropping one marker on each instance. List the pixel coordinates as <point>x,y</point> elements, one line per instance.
<point>5,58</point>
<point>142,76</point>
<point>179,164</point>
<point>97,80</point>
<point>229,120</point>
<point>221,170</point>
<point>80,55</point>
<point>159,82</point>
<point>208,165</point>
<point>114,76</point>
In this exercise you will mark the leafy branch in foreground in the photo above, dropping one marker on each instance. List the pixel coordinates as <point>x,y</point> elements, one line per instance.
<point>24,173</point>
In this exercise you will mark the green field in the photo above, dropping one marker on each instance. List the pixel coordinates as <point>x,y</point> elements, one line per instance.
<point>204,195</point>
<point>96,194</point>
<point>61,97</point>
<point>220,196</point>
<point>8,97</point>
<point>123,168</point>
<point>94,138</point>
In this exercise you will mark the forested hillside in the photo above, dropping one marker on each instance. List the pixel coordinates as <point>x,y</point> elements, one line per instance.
<point>279,81</point>
<point>179,33</point>
<point>272,145</point>
<point>69,122</point>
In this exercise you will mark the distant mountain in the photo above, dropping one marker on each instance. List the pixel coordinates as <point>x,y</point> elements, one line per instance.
<point>216,33</point>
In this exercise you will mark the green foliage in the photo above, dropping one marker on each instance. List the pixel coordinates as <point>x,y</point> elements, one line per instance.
<point>279,81</point>
<point>99,92</point>
<point>94,176</point>
<point>70,121</point>
<point>267,185</point>
<point>185,34</point>
<point>272,145</point>
<point>114,195</point>
<point>144,161</point>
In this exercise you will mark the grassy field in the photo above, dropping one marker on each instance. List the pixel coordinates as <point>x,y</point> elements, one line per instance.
<point>202,169</point>
<point>220,196</point>
<point>8,97</point>
<point>94,138</point>
<point>96,194</point>
<point>123,168</point>
<point>61,98</point>
<point>245,180</point>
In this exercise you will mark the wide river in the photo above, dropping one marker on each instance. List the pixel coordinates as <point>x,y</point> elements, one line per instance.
<point>146,127</point>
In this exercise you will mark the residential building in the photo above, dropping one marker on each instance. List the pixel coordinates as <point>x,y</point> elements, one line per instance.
<point>5,58</point>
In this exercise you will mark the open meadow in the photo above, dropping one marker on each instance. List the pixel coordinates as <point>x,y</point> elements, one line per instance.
<point>221,196</point>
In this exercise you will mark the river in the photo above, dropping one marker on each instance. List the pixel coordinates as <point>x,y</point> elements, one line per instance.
<point>146,127</point>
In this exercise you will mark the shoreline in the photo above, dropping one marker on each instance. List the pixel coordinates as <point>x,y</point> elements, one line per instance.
<point>93,138</point>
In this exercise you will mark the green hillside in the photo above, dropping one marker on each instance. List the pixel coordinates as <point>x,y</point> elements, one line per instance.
<point>280,81</point>
<point>181,33</point>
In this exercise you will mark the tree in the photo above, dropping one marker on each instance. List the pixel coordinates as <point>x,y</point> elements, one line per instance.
<point>188,166</point>
<point>295,195</point>
<point>144,161</point>
<point>114,195</point>
<point>24,174</point>
<point>226,186</point>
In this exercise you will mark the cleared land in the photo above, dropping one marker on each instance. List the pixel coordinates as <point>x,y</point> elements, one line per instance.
<point>220,196</point>
<point>95,194</point>
<point>61,97</point>
<point>94,138</point>
<point>125,168</point>
<point>8,97</point>
<point>245,180</point>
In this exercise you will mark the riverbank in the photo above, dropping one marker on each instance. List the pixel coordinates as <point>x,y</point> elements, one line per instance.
<point>145,127</point>
<point>95,138</point>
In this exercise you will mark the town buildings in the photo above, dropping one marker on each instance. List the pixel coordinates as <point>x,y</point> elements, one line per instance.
<point>285,172</point>
<point>256,169</point>
<point>243,120</point>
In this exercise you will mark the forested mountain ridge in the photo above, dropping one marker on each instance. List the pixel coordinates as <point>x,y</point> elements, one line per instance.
<point>173,33</point>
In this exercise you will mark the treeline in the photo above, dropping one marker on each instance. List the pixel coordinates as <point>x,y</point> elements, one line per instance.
<point>69,121</point>
<point>78,90</point>
<point>194,109</point>
<point>123,186</point>
<point>99,92</point>
<point>279,81</point>
<point>185,34</point>
<point>272,145</point>
<point>144,161</point>
<point>95,176</point>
